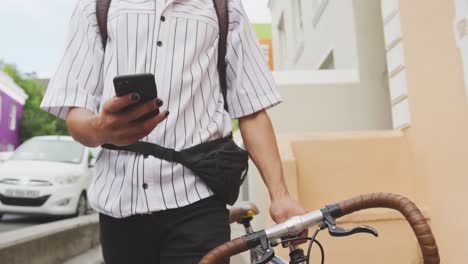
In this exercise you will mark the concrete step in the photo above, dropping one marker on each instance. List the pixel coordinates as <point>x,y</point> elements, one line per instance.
<point>92,256</point>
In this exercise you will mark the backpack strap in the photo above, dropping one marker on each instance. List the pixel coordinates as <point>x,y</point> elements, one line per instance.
<point>102,10</point>
<point>221,6</point>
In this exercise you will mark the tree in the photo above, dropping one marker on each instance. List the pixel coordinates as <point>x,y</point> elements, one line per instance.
<point>35,121</point>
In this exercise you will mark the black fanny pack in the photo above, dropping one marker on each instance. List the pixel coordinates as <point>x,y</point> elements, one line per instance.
<point>220,163</point>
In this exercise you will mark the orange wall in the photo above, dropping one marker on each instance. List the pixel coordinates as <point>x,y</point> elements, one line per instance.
<point>269,43</point>
<point>438,136</point>
<point>335,166</point>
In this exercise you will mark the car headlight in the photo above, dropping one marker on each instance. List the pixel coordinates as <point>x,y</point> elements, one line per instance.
<point>63,180</point>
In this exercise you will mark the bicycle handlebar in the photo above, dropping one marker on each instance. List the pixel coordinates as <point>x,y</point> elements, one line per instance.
<point>408,209</point>
<point>295,225</point>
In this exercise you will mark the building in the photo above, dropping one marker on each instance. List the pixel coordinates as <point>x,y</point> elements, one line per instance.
<point>263,31</point>
<point>337,48</point>
<point>375,101</point>
<point>12,100</point>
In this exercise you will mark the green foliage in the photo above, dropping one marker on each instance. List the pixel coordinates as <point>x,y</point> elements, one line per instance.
<point>35,121</point>
<point>263,31</point>
<point>235,125</point>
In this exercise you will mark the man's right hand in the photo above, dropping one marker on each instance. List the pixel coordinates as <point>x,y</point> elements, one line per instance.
<point>112,126</point>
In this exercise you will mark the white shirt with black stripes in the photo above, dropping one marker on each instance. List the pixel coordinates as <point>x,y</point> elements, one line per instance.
<point>177,41</point>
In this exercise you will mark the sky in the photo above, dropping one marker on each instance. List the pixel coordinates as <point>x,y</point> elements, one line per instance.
<point>33,32</point>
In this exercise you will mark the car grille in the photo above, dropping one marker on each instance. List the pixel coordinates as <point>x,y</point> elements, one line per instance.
<point>23,201</point>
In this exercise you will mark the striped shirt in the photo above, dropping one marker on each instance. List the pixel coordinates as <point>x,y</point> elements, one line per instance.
<point>177,41</point>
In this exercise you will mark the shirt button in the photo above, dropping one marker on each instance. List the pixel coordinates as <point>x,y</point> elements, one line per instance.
<point>145,186</point>
<point>163,18</point>
<point>159,43</point>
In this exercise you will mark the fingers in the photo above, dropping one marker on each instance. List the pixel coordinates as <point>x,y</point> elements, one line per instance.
<point>147,126</point>
<point>136,131</point>
<point>116,104</point>
<point>304,233</point>
<point>142,110</point>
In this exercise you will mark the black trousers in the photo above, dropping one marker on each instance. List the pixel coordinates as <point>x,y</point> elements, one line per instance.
<point>175,236</point>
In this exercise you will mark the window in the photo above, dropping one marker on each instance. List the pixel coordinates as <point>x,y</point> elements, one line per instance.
<point>50,150</point>
<point>13,117</point>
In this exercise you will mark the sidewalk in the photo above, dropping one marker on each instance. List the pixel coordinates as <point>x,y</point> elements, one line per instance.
<point>93,256</point>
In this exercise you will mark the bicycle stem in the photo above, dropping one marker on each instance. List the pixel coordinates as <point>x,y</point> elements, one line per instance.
<point>294,225</point>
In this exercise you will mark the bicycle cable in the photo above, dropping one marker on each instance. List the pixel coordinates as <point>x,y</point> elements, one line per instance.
<point>309,249</point>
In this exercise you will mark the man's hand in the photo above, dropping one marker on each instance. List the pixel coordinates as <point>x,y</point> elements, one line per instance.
<point>115,127</point>
<point>112,126</point>
<point>283,208</point>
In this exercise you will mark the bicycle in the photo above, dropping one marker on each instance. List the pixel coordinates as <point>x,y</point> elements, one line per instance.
<point>262,242</point>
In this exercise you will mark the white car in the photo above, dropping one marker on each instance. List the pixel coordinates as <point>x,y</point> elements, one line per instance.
<point>4,156</point>
<point>46,175</point>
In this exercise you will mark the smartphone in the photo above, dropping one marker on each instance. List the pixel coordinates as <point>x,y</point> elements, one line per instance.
<point>144,84</point>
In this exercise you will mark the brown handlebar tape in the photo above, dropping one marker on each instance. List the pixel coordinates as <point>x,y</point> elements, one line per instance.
<point>408,209</point>
<point>225,251</point>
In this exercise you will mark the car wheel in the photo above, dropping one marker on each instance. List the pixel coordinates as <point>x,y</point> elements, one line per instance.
<point>82,206</point>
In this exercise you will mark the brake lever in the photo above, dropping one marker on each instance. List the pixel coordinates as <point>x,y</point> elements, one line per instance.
<point>336,231</point>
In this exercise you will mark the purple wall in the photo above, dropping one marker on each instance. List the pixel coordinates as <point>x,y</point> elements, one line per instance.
<point>8,136</point>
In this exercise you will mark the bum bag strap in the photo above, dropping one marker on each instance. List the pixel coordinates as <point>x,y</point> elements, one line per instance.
<point>149,149</point>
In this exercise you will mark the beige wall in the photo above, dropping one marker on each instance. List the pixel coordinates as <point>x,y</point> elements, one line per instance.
<point>335,166</point>
<point>438,136</point>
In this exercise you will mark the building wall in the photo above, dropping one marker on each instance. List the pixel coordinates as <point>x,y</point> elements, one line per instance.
<point>461,32</point>
<point>438,132</point>
<point>324,101</point>
<point>425,161</point>
<point>8,136</point>
<point>397,74</point>
<point>353,31</point>
<point>11,95</point>
<point>333,31</point>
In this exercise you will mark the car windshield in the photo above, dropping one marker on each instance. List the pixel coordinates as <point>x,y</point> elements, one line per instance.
<point>50,150</point>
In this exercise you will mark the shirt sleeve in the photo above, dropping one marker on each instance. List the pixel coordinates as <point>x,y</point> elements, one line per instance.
<point>77,81</point>
<point>250,84</point>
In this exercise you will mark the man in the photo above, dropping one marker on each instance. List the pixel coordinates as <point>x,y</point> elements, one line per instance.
<point>151,210</point>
